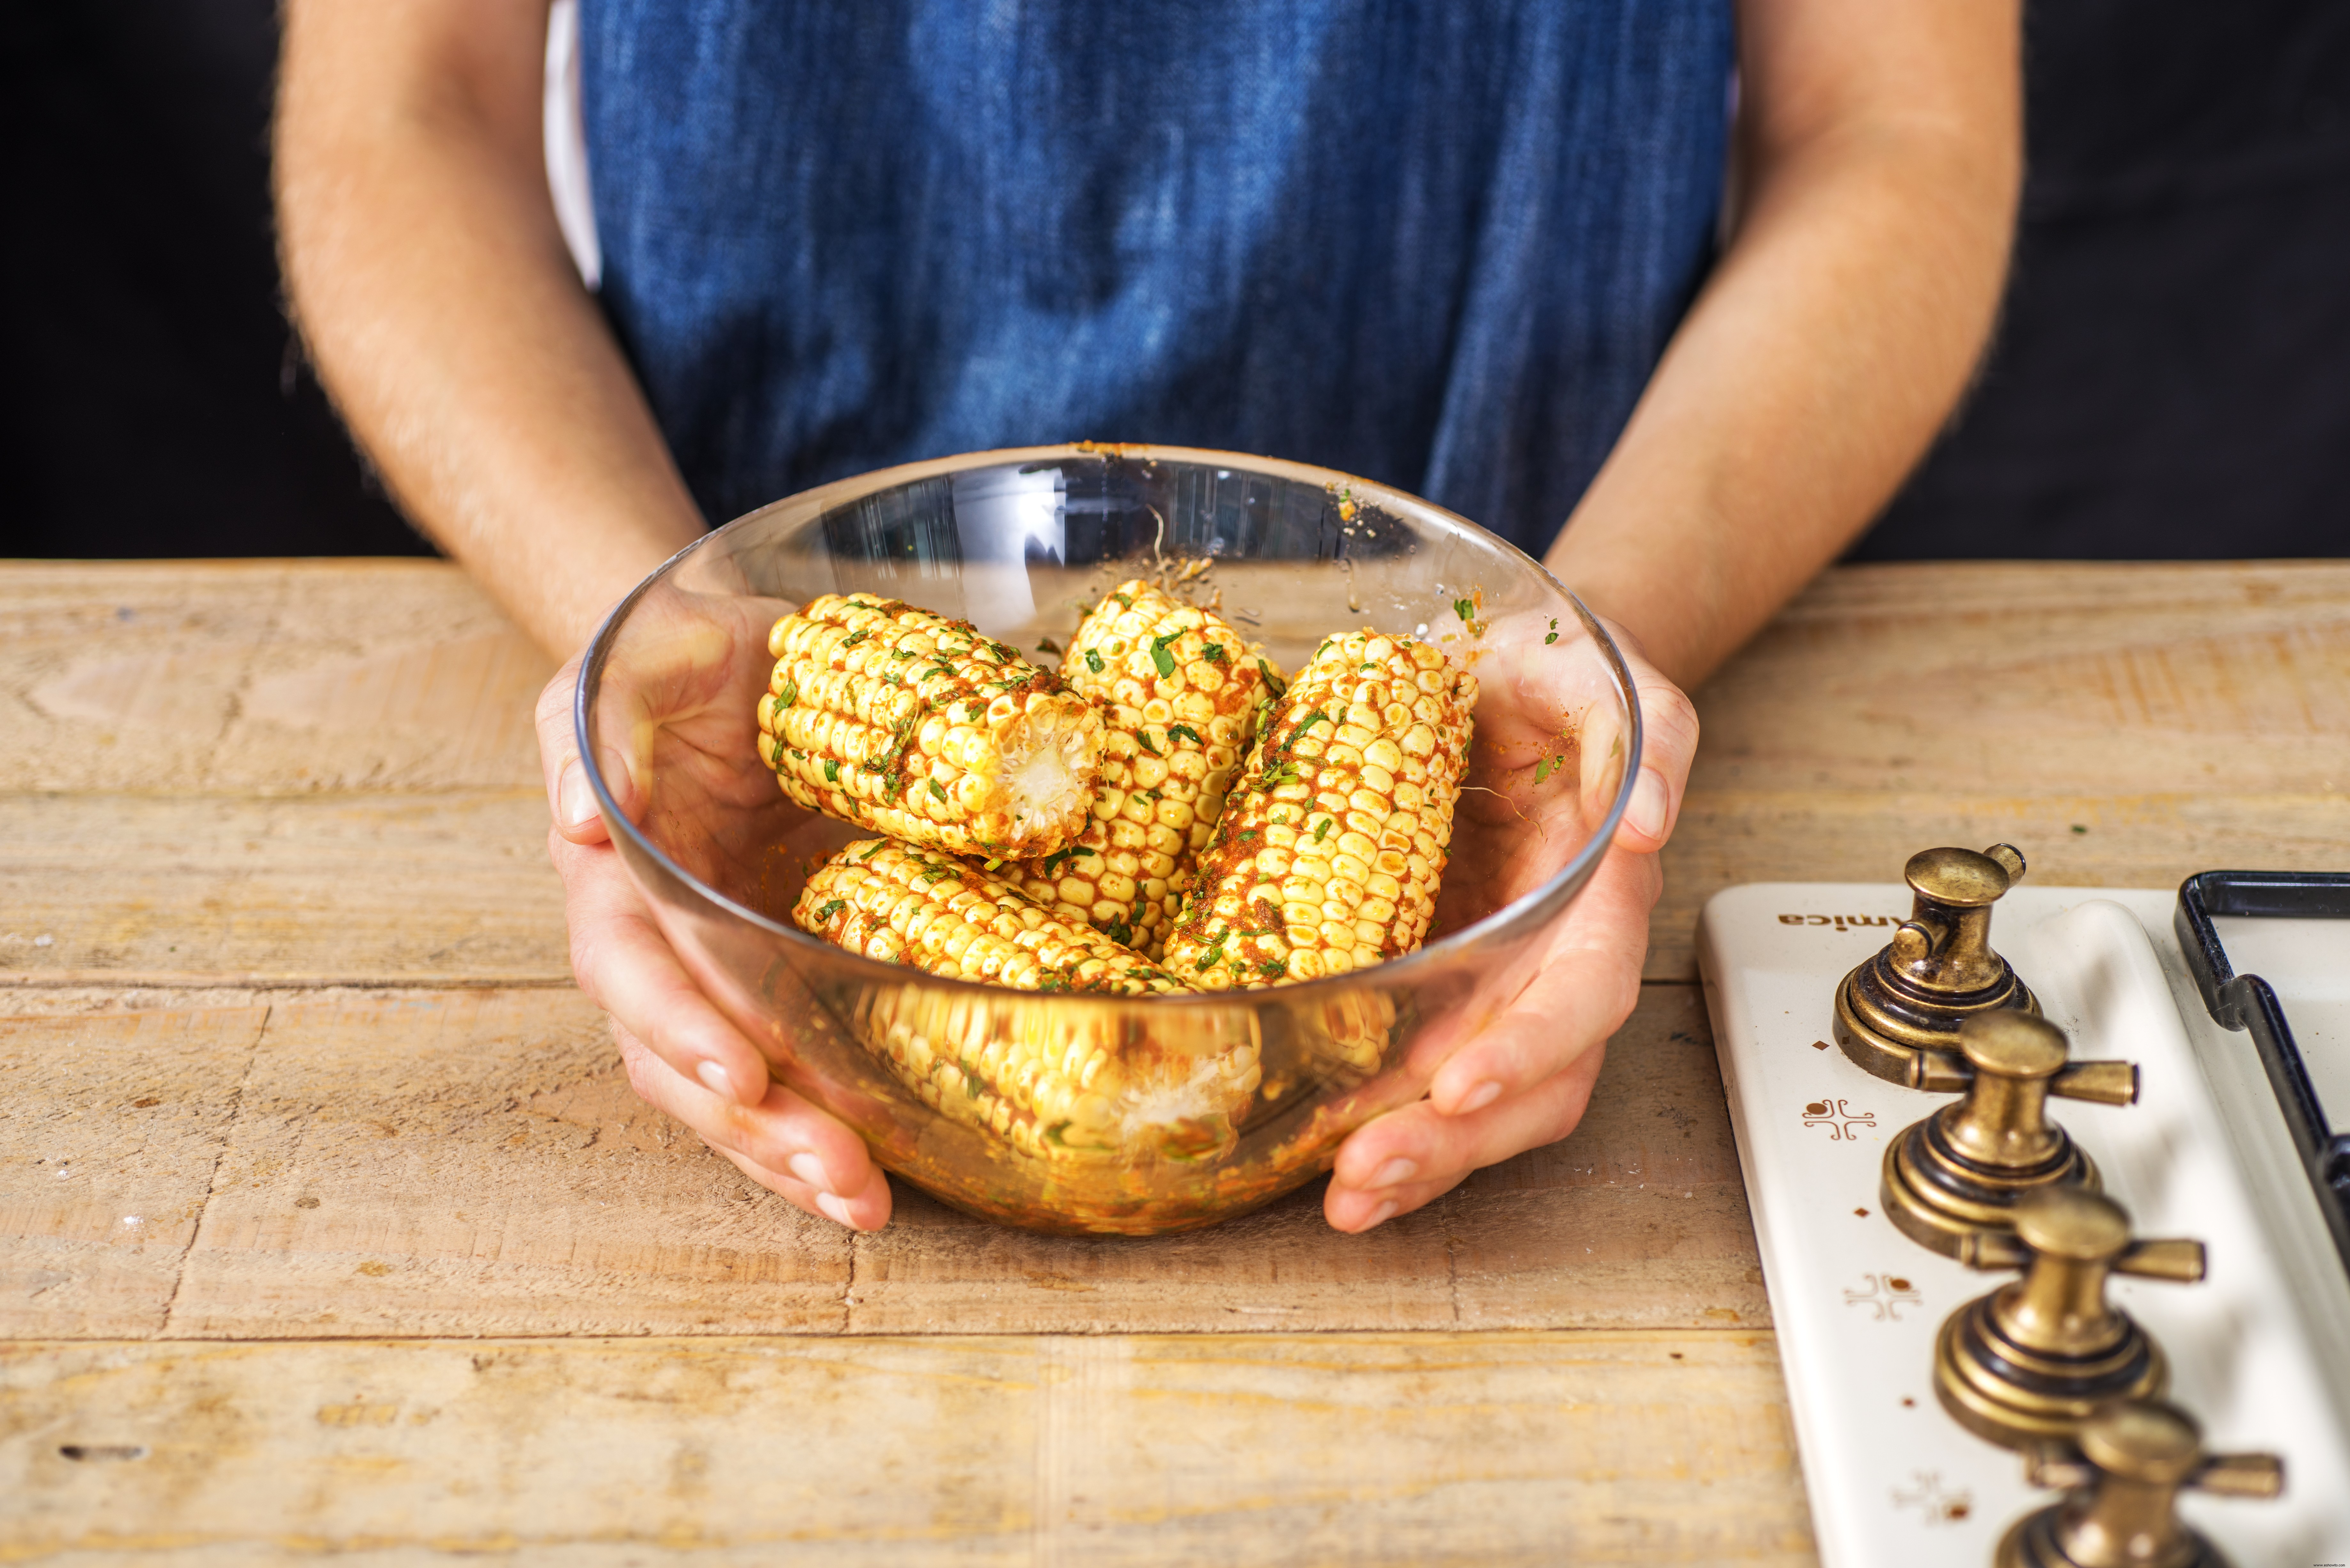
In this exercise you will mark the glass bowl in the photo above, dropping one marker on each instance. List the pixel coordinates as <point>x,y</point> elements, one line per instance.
<point>1020,543</point>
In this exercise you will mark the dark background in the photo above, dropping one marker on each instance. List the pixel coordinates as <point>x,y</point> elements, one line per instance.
<point>2171,378</point>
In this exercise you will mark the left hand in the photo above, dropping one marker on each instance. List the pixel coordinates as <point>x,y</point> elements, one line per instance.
<point>1523,1079</point>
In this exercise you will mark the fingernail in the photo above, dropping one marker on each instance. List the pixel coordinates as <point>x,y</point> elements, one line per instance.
<point>1381,1215</point>
<point>1478,1098</point>
<point>1394,1170</point>
<point>713,1078</point>
<point>1645,815</point>
<point>807,1167</point>
<point>835,1208</point>
<point>573,796</point>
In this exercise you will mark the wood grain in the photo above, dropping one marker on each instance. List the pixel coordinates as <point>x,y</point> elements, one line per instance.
<point>114,1127</point>
<point>468,1162</point>
<point>279,677</point>
<point>308,890</point>
<point>1484,1449</point>
<point>474,1163</point>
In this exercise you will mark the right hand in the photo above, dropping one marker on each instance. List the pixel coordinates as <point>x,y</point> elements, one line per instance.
<point>683,1054</point>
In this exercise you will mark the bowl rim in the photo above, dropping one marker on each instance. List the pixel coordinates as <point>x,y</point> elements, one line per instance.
<point>1560,885</point>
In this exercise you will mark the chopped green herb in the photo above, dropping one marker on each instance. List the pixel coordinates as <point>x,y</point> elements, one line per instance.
<point>1186,730</point>
<point>1093,661</point>
<point>1054,861</point>
<point>993,863</point>
<point>1272,682</point>
<point>938,789</point>
<point>902,653</point>
<point>1273,968</point>
<point>854,638</point>
<point>831,908</point>
<point>1160,657</point>
<point>1321,830</point>
<point>788,695</point>
<point>831,770</point>
<point>1213,653</point>
<point>1465,609</point>
<point>1543,769</point>
<point>1554,632</point>
<point>1047,644</point>
<point>1123,600</point>
<point>1142,738</point>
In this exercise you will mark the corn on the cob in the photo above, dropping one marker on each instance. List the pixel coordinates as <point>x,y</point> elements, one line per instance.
<point>1054,1077</point>
<point>901,720</point>
<point>1329,854</point>
<point>900,905</point>
<point>1182,691</point>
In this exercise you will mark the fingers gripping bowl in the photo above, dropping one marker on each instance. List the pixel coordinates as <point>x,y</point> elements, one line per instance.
<point>1157,1105</point>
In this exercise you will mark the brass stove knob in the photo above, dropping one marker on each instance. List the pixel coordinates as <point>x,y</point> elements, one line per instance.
<point>1902,1008</point>
<point>2123,1482</point>
<point>1959,1171</point>
<point>2035,1358</point>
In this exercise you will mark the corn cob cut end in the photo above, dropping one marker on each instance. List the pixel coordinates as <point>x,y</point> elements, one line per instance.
<point>897,720</point>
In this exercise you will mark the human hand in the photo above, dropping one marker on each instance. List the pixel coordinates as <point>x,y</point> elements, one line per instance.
<point>683,1054</point>
<point>1523,1078</point>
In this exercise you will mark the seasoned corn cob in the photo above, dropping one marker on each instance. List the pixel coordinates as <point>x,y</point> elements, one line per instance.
<point>1054,1077</point>
<point>901,720</point>
<point>900,905</point>
<point>1182,691</point>
<point>1329,854</point>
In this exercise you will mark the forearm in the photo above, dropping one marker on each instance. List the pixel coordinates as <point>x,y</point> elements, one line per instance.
<point>1832,340</point>
<point>431,285</point>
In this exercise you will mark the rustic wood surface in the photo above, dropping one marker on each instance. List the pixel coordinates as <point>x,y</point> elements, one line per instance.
<point>327,1220</point>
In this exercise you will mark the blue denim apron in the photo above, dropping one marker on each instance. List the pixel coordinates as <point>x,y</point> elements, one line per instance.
<point>1438,244</point>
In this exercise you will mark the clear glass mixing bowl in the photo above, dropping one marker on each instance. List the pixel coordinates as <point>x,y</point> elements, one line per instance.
<point>1021,543</point>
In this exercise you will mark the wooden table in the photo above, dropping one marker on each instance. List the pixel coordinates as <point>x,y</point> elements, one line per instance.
<point>327,1220</point>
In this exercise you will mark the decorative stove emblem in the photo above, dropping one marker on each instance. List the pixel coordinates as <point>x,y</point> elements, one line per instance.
<point>1885,1296</point>
<point>1938,1504</point>
<point>1838,1118</point>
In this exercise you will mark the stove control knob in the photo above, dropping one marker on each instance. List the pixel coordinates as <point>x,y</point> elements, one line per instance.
<point>1898,1014</point>
<point>1960,1171</point>
<point>2122,1481</point>
<point>2037,1358</point>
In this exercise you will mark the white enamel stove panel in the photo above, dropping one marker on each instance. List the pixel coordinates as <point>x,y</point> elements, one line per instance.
<point>2257,1350</point>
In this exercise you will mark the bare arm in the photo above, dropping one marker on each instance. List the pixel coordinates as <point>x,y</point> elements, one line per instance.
<point>447,320</point>
<point>1881,161</point>
<point>1880,148</point>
